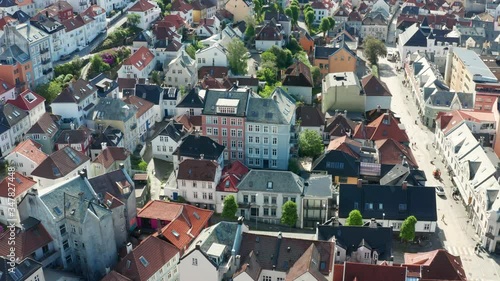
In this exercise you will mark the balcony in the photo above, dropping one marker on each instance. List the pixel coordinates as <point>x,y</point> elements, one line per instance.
<point>44,50</point>
<point>45,61</point>
<point>133,127</point>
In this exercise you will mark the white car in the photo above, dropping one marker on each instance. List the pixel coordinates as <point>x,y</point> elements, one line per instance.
<point>440,190</point>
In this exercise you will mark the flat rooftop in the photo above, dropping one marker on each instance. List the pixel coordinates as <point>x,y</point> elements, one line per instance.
<point>475,65</point>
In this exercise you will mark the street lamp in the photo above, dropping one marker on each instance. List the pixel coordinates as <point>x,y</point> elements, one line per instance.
<point>256,211</point>
<point>383,219</point>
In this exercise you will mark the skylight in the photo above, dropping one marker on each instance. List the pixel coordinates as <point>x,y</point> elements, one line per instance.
<point>57,211</point>
<point>144,261</point>
<point>175,233</point>
<point>195,214</point>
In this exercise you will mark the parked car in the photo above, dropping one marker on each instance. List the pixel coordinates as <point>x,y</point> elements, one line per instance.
<point>65,57</point>
<point>439,190</point>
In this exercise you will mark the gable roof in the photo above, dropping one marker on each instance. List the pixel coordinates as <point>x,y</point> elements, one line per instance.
<point>310,116</point>
<point>197,170</point>
<point>231,176</point>
<point>196,146</point>
<point>350,237</point>
<point>191,100</point>
<point>21,182</point>
<point>10,115</point>
<point>307,263</point>
<point>60,163</point>
<point>142,6</point>
<point>76,92</point>
<point>184,222</point>
<point>269,32</point>
<point>392,152</point>
<point>437,265</point>
<point>281,253</point>
<point>146,259</point>
<point>31,237</point>
<point>339,125</point>
<point>31,150</point>
<point>44,125</point>
<point>140,104</point>
<point>374,87</point>
<point>373,272</point>
<point>298,74</point>
<point>235,94</point>
<point>272,181</point>
<point>110,155</point>
<point>73,136</point>
<point>113,183</point>
<point>27,100</point>
<point>141,58</point>
<point>322,52</point>
<point>420,201</point>
<point>173,130</point>
<point>337,163</point>
<point>152,93</point>
<point>112,109</point>
<point>384,127</point>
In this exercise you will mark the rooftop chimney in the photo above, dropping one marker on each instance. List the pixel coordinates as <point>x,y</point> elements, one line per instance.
<point>129,247</point>
<point>404,185</point>
<point>280,235</point>
<point>345,113</point>
<point>83,173</point>
<point>202,156</point>
<point>122,166</point>
<point>360,183</point>
<point>158,227</point>
<point>197,134</point>
<point>373,223</point>
<point>103,145</point>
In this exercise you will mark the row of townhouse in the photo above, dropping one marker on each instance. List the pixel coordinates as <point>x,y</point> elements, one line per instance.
<point>461,142</point>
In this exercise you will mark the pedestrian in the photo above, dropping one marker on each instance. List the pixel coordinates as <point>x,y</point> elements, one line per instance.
<point>442,218</point>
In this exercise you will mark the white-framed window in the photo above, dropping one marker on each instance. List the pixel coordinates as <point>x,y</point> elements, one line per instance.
<point>195,261</point>
<point>266,278</point>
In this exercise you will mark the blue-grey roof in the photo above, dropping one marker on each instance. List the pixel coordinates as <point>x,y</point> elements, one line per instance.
<point>318,186</point>
<point>191,100</point>
<point>410,10</point>
<point>397,203</point>
<point>108,183</point>
<point>112,109</point>
<point>337,163</point>
<point>350,238</point>
<point>235,93</point>
<point>12,55</point>
<point>21,16</point>
<point>195,146</point>
<point>285,102</point>
<point>10,115</point>
<point>223,233</point>
<point>280,181</point>
<point>445,99</point>
<point>321,52</point>
<point>174,131</point>
<point>103,84</point>
<point>264,111</point>
<point>475,66</point>
<point>151,93</point>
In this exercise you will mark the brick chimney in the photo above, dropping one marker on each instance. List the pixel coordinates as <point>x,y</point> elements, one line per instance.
<point>405,185</point>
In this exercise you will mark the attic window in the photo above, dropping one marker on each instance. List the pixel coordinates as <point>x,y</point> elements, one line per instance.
<point>195,214</point>
<point>227,183</point>
<point>269,185</point>
<point>144,261</point>
<point>175,233</point>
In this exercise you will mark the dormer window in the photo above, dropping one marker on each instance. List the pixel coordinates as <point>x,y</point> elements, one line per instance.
<point>227,106</point>
<point>269,185</point>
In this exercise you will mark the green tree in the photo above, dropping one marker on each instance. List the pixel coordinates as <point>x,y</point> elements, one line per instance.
<point>309,19</point>
<point>49,90</point>
<point>289,214</point>
<point>326,24</point>
<point>293,45</point>
<point>355,218</point>
<point>250,31</point>
<point>293,13</point>
<point>97,66</point>
<point>373,49</point>
<point>230,207</point>
<point>407,232</point>
<point>237,57</point>
<point>143,166</point>
<point>267,74</point>
<point>156,78</point>
<point>316,75</point>
<point>268,90</point>
<point>257,7</point>
<point>282,57</point>
<point>133,19</point>
<point>191,51</point>
<point>310,143</point>
<point>293,165</point>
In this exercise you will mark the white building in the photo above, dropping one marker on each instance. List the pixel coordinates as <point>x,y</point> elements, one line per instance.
<point>8,203</point>
<point>26,156</point>
<point>145,115</point>
<point>181,71</point>
<point>148,12</point>
<point>183,9</point>
<point>138,65</point>
<point>214,55</point>
<point>171,98</point>
<point>167,141</point>
<point>15,123</point>
<point>110,5</point>
<point>7,92</point>
<point>31,103</point>
<point>270,35</point>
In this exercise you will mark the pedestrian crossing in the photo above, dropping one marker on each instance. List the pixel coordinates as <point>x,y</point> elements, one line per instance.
<point>460,251</point>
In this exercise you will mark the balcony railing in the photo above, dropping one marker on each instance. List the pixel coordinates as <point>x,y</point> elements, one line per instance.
<point>44,50</point>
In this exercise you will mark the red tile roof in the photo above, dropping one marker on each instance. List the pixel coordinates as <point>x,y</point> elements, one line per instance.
<point>184,120</point>
<point>384,127</point>
<point>346,145</point>
<point>60,163</point>
<point>153,251</point>
<point>27,241</point>
<point>176,20</point>
<point>140,59</point>
<point>374,87</point>
<point>213,71</point>
<point>111,155</point>
<point>142,6</point>
<point>231,176</point>
<point>27,100</point>
<point>31,150</point>
<point>141,104</point>
<point>452,119</point>
<point>391,152</point>
<point>197,170</point>
<point>306,264</point>
<point>185,222</point>
<point>181,6</point>
<point>115,276</point>
<point>5,20</point>
<point>20,182</point>
<point>437,265</point>
<point>373,272</point>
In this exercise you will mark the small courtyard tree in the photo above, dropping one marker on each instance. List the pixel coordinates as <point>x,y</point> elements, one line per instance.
<point>374,49</point>
<point>407,232</point>
<point>134,19</point>
<point>237,57</point>
<point>289,213</point>
<point>355,218</point>
<point>230,207</point>
<point>310,143</point>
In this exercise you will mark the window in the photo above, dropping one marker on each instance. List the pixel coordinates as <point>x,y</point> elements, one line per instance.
<point>275,130</point>
<point>183,183</point>
<point>257,140</point>
<point>369,206</point>
<point>402,207</point>
<point>367,255</point>
<point>257,128</point>
<point>224,132</point>
<point>250,128</point>
<point>224,121</point>
<point>240,122</point>
<point>240,133</point>
<point>195,194</point>
<point>216,132</point>
<point>266,152</point>
<point>266,129</point>
<point>233,133</point>
<point>273,200</point>
<point>62,229</point>
<point>275,152</point>
<point>266,212</point>
<point>380,206</point>
<point>75,243</point>
<point>257,151</point>
<point>215,120</point>
<point>240,155</point>
<point>266,140</point>
<point>254,198</point>
<point>274,163</point>
<point>233,122</point>
<point>273,212</point>
<point>250,139</point>
<point>427,226</point>
<point>195,261</point>
<point>266,278</point>
<point>204,195</point>
<point>65,244</point>
<point>68,259</point>
<point>275,140</point>
<point>210,196</point>
<point>240,144</point>
<point>266,199</point>
<point>245,198</point>
<point>233,144</point>
<point>250,151</point>
<point>209,131</point>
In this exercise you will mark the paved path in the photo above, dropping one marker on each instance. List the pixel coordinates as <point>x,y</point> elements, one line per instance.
<point>454,234</point>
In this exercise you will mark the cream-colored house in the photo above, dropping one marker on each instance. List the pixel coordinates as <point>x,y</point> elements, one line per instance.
<point>342,91</point>
<point>241,9</point>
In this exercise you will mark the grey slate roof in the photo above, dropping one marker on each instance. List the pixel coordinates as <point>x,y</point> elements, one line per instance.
<point>285,102</point>
<point>321,52</point>
<point>445,98</point>
<point>212,96</point>
<point>265,111</point>
<point>191,100</point>
<point>318,186</point>
<point>350,238</point>
<point>337,163</point>
<point>108,183</point>
<point>25,269</point>
<point>15,53</point>
<point>282,181</point>
<point>173,130</point>
<point>10,115</point>
<point>112,109</point>
<point>223,233</point>
<point>151,93</point>
<point>194,146</point>
<point>103,84</point>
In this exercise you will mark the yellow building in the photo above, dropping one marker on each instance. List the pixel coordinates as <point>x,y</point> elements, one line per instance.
<point>241,9</point>
<point>341,59</point>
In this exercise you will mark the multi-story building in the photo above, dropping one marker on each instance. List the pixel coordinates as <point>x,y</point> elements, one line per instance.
<point>223,120</point>
<point>36,43</point>
<point>16,67</point>
<point>167,141</point>
<point>45,132</point>
<point>342,91</point>
<point>25,157</point>
<point>138,65</point>
<point>269,131</point>
<point>112,5</point>
<point>338,59</point>
<point>57,34</point>
<point>198,147</point>
<point>148,12</point>
<point>7,91</point>
<point>15,123</point>
<point>95,22</point>
<point>181,71</point>
<point>262,194</point>
<point>241,9</point>
<point>79,139</point>
<point>31,103</point>
<point>185,10</point>
<point>9,211</point>
<point>75,101</point>
<point>145,115</point>
<point>116,113</point>
<point>214,55</point>
<point>109,160</point>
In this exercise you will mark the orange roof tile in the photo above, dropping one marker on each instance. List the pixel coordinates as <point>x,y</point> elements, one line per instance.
<point>142,105</point>
<point>140,59</point>
<point>391,152</point>
<point>231,177</point>
<point>437,265</point>
<point>27,241</point>
<point>384,127</point>
<point>20,182</point>
<point>142,6</point>
<point>31,150</point>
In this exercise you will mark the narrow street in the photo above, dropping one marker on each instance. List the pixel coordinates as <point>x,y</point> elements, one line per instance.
<point>454,232</point>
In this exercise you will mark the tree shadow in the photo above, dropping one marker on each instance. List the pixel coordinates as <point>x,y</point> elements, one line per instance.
<point>386,70</point>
